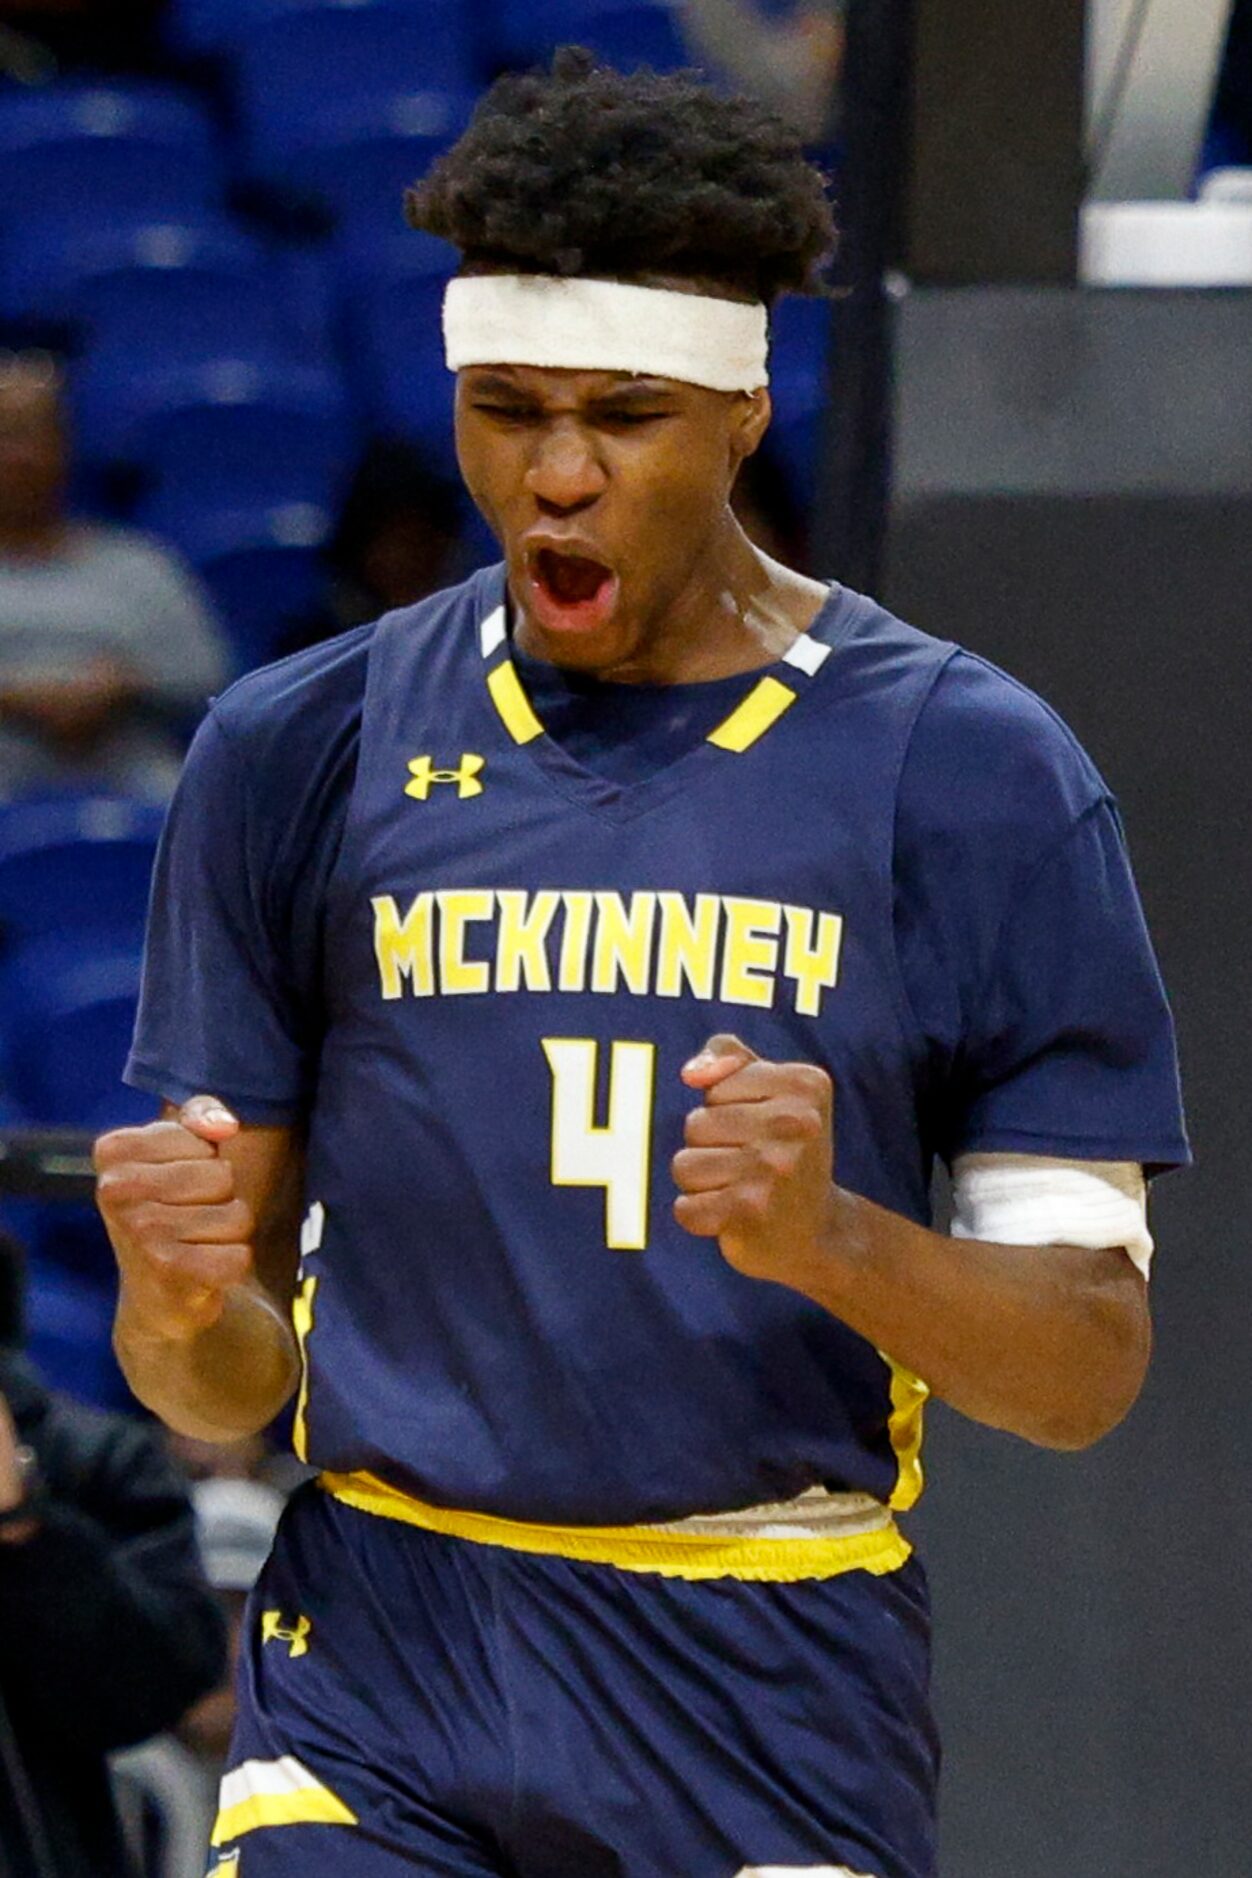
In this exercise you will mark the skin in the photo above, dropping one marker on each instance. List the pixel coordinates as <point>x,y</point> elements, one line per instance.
<point>11,1493</point>
<point>69,711</point>
<point>1050,1343</point>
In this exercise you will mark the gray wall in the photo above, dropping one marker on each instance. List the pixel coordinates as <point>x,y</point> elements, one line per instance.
<point>1094,1612</point>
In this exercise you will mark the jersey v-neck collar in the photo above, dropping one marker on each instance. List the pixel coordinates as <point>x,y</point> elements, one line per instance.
<point>778,688</point>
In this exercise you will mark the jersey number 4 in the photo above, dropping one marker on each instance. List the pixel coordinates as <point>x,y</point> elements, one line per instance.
<point>617,1155</point>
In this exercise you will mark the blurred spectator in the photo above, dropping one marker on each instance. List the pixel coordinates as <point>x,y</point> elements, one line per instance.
<point>108,1631</point>
<point>399,538</point>
<point>168,1788</point>
<point>789,60</point>
<point>107,648</point>
<point>105,35</point>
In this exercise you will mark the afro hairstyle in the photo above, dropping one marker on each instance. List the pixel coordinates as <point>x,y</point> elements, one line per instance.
<point>587,170</point>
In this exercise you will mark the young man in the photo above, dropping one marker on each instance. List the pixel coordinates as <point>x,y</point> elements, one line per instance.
<point>598,955</point>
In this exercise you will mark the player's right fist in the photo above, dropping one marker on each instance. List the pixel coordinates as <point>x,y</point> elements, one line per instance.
<point>182,1235</point>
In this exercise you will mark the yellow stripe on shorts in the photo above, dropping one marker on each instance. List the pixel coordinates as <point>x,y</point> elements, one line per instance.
<point>672,1554</point>
<point>275,1793</point>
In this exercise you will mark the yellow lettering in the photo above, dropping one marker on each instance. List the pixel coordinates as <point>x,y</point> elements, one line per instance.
<point>524,924</point>
<point>814,964</point>
<point>623,946</point>
<point>687,948</point>
<point>573,970</point>
<point>750,955</point>
<point>402,947</point>
<point>457,908</point>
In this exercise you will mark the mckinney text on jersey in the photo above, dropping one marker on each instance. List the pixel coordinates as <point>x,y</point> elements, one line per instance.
<point>467,940</point>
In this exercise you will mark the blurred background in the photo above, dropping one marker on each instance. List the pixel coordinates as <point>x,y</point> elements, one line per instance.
<point>1024,420</point>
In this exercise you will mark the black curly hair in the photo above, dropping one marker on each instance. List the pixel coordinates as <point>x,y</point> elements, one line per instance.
<point>586,170</point>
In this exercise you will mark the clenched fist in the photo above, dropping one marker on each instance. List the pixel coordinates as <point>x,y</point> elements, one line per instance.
<point>182,1236</point>
<point>757,1169</point>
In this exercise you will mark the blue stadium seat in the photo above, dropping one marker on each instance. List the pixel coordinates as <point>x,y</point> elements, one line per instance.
<point>625,33</point>
<point>67,1035</point>
<point>43,262</point>
<point>264,565</point>
<point>75,864</point>
<point>799,350</point>
<point>800,339</point>
<point>361,164</point>
<point>315,69</point>
<point>69,1321</point>
<point>171,295</point>
<point>224,425</point>
<point>394,318</point>
<point>219,26</point>
<point>129,150</point>
<point>251,436</point>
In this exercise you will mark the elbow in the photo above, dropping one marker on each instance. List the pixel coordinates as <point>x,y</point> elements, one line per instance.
<point>1112,1382</point>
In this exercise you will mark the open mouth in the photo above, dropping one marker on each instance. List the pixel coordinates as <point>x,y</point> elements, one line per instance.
<point>570,591</point>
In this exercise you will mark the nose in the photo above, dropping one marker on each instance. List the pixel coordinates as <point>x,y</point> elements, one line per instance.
<point>564,474</point>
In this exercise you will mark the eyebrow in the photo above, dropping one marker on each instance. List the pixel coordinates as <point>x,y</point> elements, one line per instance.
<point>629,391</point>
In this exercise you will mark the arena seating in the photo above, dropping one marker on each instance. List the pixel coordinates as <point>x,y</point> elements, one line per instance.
<point>74,865</point>
<point>360,163</point>
<point>261,561</point>
<point>309,72</point>
<point>74,882</point>
<point>52,272</point>
<point>392,324</point>
<point>129,150</point>
<point>625,32</point>
<point>68,1035</point>
<point>226,265</point>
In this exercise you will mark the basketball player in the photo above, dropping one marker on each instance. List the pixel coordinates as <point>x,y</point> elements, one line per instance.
<point>596,957</point>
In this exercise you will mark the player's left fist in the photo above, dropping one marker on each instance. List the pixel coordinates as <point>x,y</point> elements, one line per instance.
<point>757,1168</point>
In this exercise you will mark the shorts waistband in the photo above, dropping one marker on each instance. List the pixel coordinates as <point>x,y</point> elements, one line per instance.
<point>818,1535</point>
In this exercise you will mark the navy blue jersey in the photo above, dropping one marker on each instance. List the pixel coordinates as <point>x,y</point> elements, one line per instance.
<point>390,906</point>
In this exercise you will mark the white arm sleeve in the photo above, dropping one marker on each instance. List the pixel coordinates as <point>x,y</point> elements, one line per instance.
<point>1034,1199</point>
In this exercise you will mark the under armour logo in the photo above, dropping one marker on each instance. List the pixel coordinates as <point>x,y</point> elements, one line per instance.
<point>425,776</point>
<point>295,1636</point>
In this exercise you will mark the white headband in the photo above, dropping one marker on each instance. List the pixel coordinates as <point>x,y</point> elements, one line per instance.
<point>605,326</point>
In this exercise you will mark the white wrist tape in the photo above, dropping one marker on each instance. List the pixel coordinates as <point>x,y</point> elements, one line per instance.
<point>605,326</point>
<point>1035,1199</point>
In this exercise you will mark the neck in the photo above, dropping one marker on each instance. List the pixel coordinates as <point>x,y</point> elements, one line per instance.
<point>742,612</point>
<point>738,612</point>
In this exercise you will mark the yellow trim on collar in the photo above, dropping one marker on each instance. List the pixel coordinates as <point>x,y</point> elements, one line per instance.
<point>512,703</point>
<point>750,720</point>
<point>635,1548</point>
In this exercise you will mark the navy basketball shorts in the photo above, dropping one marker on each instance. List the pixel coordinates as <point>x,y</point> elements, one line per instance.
<point>411,1701</point>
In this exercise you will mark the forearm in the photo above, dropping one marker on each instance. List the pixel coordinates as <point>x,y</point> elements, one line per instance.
<point>1050,1343</point>
<point>228,1381</point>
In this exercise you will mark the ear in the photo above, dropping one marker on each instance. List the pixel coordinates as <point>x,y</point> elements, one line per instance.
<point>749,423</point>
